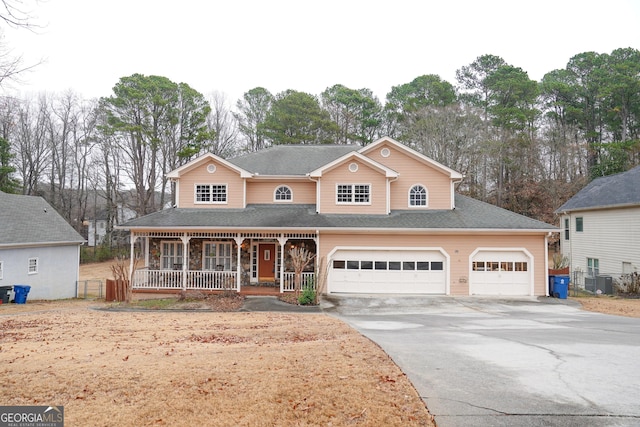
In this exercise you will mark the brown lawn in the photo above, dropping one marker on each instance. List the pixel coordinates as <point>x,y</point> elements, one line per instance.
<point>199,368</point>
<point>629,307</point>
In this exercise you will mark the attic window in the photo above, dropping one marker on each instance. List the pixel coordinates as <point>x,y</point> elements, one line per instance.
<point>417,196</point>
<point>353,167</point>
<point>211,168</point>
<point>385,152</point>
<point>283,194</point>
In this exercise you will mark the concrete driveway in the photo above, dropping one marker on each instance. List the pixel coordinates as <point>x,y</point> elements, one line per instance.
<point>506,362</point>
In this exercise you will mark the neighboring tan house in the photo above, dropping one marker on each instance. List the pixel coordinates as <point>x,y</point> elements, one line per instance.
<point>38,248</point>
<point>601,229</point>
<point>380,219</point>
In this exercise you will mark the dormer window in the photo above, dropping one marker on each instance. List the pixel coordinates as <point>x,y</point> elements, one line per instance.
<point>417,196</point>
<point>283,194</point>
<point>353,193</point>
<point>211,193</point>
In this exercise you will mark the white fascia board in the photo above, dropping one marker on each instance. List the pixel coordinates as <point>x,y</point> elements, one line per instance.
<point>389,173</point>
<point>367,148</point>
<point>176,173</point>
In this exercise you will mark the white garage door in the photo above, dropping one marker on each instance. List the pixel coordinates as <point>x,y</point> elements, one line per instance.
<point>388,271</point>
<point>500,273</point>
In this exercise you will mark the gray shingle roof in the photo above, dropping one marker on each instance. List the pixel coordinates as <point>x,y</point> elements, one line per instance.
<point>291,159</point>
<point>621,189</point>
<point>31,220</point>
<point>469,214</point>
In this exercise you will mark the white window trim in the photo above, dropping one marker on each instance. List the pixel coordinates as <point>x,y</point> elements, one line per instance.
<point>37,265</point>
<point>281,200</point>
<point>217,257</point>
<point>1,269</point>
<point>426,205</point>
<point>180,258</point>
<point>195,193</point>
<point>353,185</point>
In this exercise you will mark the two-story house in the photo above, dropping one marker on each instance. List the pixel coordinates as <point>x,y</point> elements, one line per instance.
<point>601,230</point>
<point>381,219</point>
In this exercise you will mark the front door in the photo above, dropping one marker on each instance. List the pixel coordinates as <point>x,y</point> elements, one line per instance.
<point>266,262</point>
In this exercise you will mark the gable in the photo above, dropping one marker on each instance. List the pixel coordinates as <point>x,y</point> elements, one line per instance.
<point>389,143</point>
<point>357,172</point>
<point>414,170</point>
<point>214,172</point>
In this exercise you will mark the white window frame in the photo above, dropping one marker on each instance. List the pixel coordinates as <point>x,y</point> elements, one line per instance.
<point>1,269</point>
<point>276,193</point>
<point>32,265</point>
<point>176,258</point>
<point>593,267</point>
<point>211,194</point>
<point>411,199</point>
<point>223,255</point>
<point>352,194</point>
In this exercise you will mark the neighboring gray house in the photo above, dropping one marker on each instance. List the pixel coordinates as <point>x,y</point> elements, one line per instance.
<point>37,248</point>
<point>97,227</point>
<point>601,227</point>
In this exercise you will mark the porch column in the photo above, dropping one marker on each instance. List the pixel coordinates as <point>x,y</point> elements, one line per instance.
<point>282,240</point>
<point>238,240</point>
<point>185,259</point>
<point>132,241</point>
<point>146,252</point>
<point>318,267</point>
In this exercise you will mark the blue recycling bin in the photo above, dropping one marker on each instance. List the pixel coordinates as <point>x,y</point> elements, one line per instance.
<point>560,286</point>
<point>21,292</point>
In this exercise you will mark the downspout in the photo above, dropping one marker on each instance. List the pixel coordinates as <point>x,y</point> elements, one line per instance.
<point>389,181</point>
<point>546,263</point>
<point>453,192</point>
<point>317,181</point>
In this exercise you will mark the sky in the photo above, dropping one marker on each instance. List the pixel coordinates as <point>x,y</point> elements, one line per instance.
<point>233,46</point>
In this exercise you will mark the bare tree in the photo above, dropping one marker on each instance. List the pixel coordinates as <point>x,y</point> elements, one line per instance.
<point>223,126</point>
<point>33,153</point>
<point>17,15</point>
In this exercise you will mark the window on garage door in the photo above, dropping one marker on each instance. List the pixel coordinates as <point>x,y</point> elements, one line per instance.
<point>388,265</point>
<point>499,266</point>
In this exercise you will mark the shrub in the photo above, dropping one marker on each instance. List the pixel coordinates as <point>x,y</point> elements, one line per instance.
<point>629,284</point>
<point>308,297</point>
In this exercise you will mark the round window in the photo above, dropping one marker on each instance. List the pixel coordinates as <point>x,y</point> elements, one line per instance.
<point>353,167</point>
<point>385,152</point>
<point>211,168</point>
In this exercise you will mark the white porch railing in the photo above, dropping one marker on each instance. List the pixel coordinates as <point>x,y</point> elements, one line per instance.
<point>172,279</point>
<point>289,281</point>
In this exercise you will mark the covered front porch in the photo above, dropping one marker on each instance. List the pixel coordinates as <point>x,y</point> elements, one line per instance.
<point>218,261</point>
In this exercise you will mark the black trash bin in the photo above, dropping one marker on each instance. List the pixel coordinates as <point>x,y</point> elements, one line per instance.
<point>4,294</point>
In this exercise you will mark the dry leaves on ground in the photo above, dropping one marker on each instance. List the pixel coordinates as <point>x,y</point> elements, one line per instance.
<point>194,368</point>
<point>629,307</point>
